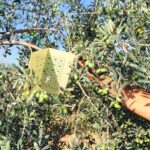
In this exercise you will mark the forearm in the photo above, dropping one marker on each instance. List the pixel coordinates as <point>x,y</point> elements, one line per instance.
<point>138,102</point>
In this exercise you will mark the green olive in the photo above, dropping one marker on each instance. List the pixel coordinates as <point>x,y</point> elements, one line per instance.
<point>89,64</point>
<point>100,91</point>
<point>117,106</point>
<point>137,140</point>
<point>65,111</point>
<point>147,140</point>
<point>45,96</point>
<point>118,99</point>
<point>106,90</point>
<point>98,71</point>
<point>103,70</point>
<point>139,30</point>
<point>108,42</point>
<point>112,103</point>
<point>102,58</point>
<point>75,77</point>
<point>68,94</point>
<point>105,53</point>
<point>141,141</point>
<point>25,94</point>
<point>41,99</point>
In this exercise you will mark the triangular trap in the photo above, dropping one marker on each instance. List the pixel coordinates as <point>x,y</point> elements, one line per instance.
<point>51,69</point>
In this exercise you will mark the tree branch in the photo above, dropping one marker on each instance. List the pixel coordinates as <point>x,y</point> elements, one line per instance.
<point>27,30</point>
<point>19,43</point>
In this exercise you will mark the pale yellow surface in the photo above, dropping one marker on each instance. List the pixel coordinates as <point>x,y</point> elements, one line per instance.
<point>51,68</point>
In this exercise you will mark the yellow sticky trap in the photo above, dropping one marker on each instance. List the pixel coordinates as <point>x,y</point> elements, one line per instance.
<point>50,69</point>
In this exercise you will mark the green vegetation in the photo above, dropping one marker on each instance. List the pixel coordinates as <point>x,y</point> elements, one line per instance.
<point>113,37</point>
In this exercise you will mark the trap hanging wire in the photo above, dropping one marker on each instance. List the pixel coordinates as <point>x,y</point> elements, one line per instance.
<point>50,69</point>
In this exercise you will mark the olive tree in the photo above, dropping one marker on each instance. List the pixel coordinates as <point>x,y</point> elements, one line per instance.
<point>111,38</point>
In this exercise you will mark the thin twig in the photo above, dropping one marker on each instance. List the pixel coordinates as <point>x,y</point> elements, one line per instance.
<point>78,83</point>
<point>76,122</point>
<point>27,30</point>
<point>146,45</point>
